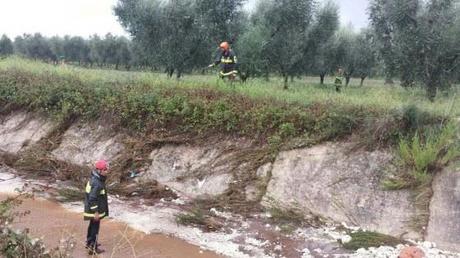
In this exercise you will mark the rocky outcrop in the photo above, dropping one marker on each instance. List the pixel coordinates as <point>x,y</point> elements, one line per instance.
<point>195,171</point>
<point>83,144</point>
<point>444,224</point>
<point>328,181</point>
<point>20,130</point>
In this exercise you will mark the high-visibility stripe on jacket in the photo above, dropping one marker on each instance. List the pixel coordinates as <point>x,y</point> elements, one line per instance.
<point>224,74</point>
<point>96,197</point>
<point>230,59</point>
<point>227,60</point>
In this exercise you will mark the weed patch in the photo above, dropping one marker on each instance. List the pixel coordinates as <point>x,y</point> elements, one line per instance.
<point>421,156</point>
<point>70,195</point>
<point>199,217</point>
<point>291,219</point>
<point>365,239</point>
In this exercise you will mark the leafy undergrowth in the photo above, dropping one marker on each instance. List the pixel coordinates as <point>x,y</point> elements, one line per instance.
<point>15,243</point>
<point>366,239</point>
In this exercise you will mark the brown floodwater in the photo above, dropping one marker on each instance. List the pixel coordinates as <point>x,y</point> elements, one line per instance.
<point>53,222</point>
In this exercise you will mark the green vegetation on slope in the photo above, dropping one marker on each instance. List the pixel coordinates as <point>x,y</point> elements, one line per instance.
<point>421,156</point>
<point>203,105</point>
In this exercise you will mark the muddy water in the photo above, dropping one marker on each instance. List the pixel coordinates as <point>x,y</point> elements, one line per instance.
<point>52,222</point>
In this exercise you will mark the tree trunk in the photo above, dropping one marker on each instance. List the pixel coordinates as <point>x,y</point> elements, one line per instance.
<point>169,72</point>
<point>362,81</point>
<point>347,80</point>
<point>433,82</point>
<point>286,78</point>
<point>178,74</point>
<point>321,78</point>
<point>292,78</point>
<point>431,91</point>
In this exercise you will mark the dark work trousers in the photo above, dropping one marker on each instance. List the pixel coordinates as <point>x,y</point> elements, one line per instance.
<point>93,232</point>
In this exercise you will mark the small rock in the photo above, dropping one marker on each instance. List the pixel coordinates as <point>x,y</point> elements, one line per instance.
<point>411,252</point>
<point>345,239</point>
<point>178,201</point>
<point>428,245</point>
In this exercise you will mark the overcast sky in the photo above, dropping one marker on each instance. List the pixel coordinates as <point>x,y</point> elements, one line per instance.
<point>87,17</point>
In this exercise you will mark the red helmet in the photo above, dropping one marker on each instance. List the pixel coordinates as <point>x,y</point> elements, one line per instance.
<point>224,45</point>
<point>102,165</point>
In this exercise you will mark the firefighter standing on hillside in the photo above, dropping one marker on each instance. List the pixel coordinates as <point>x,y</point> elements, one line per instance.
<point>227,60</point>
<point>338,79</point>
<point>96,205</point>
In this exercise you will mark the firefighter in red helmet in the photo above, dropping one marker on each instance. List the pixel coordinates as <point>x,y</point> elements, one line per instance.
<point>227,60</point>
<point>96,204</point>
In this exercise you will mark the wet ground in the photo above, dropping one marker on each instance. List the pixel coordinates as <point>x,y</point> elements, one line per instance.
<point>240,237</point>
<point>254,236</point>
<point>52,222</point>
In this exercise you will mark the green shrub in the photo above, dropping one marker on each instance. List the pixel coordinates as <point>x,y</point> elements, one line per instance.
<point>424,154</point>
<point>222,115</point>
<point>411,117</point>
<point>135,109</point>
<point>287,130</point>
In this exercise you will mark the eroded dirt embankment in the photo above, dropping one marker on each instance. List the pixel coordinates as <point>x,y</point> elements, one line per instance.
<point>161,177</point>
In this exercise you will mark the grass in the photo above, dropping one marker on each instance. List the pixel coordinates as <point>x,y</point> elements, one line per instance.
<point>201,104</point>
<point>198,217</point>
<point>421,156</point>
<point>366,239</point>
<point>303,91</point>
<point>290,219</point>
<point>70,195</point>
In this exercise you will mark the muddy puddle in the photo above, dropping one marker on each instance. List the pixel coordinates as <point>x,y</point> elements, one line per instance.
<point>53,223</point>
